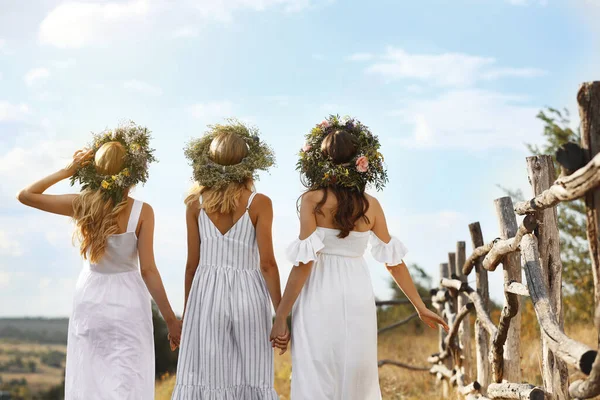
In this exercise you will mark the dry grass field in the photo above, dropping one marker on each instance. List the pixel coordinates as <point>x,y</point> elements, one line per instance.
<point>44,377</point>
<point>413,348</point>
<point>406,344</point>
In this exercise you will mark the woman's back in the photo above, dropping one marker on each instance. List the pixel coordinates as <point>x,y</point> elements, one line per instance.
<point>229,240</point>
<point>325,218</point>
<point>121,253</point>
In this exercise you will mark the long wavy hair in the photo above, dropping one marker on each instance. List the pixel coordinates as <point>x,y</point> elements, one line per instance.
<point>94,213</point>
<point>352,204</point>
<point>226,148</point>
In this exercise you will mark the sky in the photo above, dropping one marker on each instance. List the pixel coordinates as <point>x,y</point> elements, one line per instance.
<point>452,89</point>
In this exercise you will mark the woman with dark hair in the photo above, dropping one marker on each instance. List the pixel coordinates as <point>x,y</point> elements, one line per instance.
<point>334,321</point>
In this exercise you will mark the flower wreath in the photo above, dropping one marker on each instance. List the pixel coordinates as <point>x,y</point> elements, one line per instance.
<point>365,169</point>
<point>136,141</point>
<point>210,174</point>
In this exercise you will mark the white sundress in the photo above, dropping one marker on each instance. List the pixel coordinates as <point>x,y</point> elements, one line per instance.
<point>225,352</point>
<point>110,350</point>
<point>334,320</point>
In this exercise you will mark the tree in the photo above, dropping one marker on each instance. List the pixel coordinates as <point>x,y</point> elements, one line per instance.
<point>166,360</point>
<point>578,282</point>
<point>388,315</point>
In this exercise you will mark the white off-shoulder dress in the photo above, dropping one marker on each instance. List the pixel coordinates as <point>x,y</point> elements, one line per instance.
<point>334,320</point>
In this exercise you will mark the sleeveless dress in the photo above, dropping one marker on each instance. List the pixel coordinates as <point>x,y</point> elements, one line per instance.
<point>225,352</point>
<point>110,349</point>
<point>334,320</point>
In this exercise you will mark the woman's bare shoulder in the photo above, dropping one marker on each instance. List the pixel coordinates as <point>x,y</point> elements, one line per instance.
<point>373,202</point>
<point>313,196</point>
<point>261,201</point>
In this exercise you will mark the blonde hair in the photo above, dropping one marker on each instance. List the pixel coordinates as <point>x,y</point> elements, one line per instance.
<point>226,148</point>
<point>95,214</point>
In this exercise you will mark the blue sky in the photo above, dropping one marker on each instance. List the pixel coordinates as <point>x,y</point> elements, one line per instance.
<point>451,88</point>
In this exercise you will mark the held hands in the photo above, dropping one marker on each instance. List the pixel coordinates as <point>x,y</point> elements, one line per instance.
<point>81,158</point>
<point>432,319</point>
<point>280,335</point>
<point>174,335</point>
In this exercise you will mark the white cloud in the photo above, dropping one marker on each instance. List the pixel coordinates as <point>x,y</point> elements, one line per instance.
<point>142,87</point>
<point>513,72</point>
<point>211,110</point>
<point>470,119</point>
<point>76,24</point>
<point>64,64</point>
<point>13,112</point>
<point>4,279</point>
<point>188,31</point>
<point>361,57</point>
<point>223,10</point>
<point>36,75</point>
<point>44,283</point>
<point>446,69</point>
<point>527,2</point>
<point>32,160</point>
<point>9,246</point>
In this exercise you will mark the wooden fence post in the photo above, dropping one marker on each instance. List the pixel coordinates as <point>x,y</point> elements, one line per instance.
<point>541,176</point>
<point>444,273</point>
<point>588,98</point>
<point>512,273</point>
<point>464,332</point>
<point>482,346</point>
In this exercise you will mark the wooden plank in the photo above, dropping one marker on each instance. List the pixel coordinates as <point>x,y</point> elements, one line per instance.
<point>519,391</point>
<point>482,345</point>
<point>589,112</point>
<point>542,175</point>
<point>464,331</point>
<point>572,352</point>
<point>508,366</point>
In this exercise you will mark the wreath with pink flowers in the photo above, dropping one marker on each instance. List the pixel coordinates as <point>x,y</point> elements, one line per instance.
<point>364,170</point>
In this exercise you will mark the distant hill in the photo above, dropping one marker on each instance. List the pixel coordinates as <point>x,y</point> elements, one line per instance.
<point>40,330</point>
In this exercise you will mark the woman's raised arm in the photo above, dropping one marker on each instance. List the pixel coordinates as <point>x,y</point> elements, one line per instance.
<point>33,195</point>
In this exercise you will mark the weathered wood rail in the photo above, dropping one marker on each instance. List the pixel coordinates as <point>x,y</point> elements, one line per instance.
<point>533,247</point>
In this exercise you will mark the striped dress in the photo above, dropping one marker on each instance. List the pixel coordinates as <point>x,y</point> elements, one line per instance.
<point>225,351</point>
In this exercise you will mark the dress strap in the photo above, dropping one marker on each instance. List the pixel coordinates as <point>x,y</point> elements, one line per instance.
<point>250,200</point>
<point>200,199</point>
<point>134,216</point>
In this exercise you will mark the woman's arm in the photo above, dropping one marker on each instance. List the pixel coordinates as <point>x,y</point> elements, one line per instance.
<point>264,240</point>
<point>33,195</point>
<point>151,276</point>
<point>193,248</point>
<point>400,272</point>
<point>298,275</point>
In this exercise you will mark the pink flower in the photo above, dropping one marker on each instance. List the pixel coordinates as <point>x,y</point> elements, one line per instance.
<point>306,147</point>
<point>362,164</point>
<point>325,124</point>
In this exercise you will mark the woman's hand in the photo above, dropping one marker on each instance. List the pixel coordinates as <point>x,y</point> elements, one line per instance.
<point>432,319</point>
<point>280,335</point>
<point>174,333</point>
<point>81,158</point>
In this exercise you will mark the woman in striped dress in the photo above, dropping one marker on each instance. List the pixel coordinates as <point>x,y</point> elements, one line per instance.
<point>230,272</point>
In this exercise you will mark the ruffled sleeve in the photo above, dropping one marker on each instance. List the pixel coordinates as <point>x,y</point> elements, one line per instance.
<point>390,253</point>
<point>305,251</point>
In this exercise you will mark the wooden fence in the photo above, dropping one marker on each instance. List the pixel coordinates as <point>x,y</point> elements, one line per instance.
<point>533,246</point>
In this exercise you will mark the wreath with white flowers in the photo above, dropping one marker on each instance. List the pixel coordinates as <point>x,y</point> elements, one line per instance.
<point>136,141</point>
<point>207,173</point>
<point>365,169</point>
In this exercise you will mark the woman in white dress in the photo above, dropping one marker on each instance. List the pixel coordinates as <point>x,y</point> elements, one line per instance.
<point>110,351</point>
<point>230,273</point>
<point>329,292</point>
